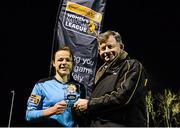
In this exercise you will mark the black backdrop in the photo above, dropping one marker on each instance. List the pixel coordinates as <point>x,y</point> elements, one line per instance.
<point>149,29</point>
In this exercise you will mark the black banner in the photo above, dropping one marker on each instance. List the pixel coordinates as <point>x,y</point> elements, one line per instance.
<point>78,23</point>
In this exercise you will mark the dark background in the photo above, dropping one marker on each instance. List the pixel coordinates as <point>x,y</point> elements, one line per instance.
<point>150,31</point>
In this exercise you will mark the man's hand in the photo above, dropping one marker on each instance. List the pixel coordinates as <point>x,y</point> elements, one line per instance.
<point>81,104</point>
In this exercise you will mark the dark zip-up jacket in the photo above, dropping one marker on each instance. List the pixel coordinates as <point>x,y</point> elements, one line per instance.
<point>119,96</point>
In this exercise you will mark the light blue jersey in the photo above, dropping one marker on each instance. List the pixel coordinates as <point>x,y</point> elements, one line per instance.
<point>46,94</point>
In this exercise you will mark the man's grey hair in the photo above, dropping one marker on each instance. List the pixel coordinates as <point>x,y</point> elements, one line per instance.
<point>104,36</point>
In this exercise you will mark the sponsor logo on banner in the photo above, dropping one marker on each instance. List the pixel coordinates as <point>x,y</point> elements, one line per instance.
<point>81,19</point>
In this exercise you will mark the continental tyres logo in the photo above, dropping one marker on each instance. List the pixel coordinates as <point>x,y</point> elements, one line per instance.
<point>84,11</point>
<point>81,19</point>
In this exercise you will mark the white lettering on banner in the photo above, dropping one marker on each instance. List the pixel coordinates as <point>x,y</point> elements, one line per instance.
<point>87,61</point>
<point>77,77</point>
<point>82,20</point>
<point>74,21</point>
<point>75,26</point>
<point>79,18</point>
<point>82,70</point>
<point>77,59</point>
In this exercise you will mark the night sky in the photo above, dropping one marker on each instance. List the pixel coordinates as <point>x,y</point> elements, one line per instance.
<point>150,32</point>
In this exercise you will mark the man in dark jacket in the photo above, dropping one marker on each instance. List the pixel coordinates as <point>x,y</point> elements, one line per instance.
<point>118,98</point>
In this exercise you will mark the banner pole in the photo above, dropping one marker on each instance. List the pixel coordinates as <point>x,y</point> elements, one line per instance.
<point>53,40</point>
<point>12,103</point>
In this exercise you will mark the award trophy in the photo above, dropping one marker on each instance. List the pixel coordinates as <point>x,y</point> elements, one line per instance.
<point>71,95</point>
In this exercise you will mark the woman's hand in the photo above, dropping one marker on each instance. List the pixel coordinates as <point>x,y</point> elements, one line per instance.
<point>58,108</point>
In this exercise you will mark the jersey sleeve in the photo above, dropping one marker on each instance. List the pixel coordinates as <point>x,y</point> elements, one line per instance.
<point>34,103</point>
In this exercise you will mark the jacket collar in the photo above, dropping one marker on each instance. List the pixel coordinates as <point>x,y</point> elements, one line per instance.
<point>117,61</point>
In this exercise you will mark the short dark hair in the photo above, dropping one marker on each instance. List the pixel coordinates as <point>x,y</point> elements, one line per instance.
<point>104,36</point>
<point>65,48</point>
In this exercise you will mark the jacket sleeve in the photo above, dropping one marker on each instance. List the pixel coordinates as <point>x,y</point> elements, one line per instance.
<point>34,104</point>
<point>126,86</point>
